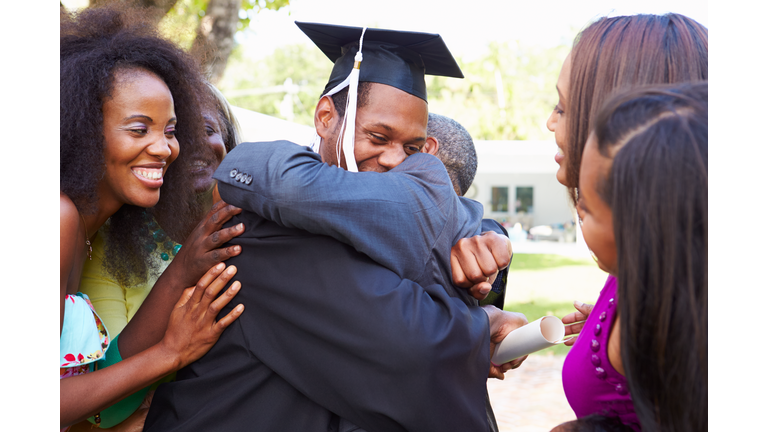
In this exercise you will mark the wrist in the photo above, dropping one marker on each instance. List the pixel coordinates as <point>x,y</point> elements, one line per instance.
<point>493,317</point>
<point>168,357</point>
<point>509,248</point>
<point>173,275</point>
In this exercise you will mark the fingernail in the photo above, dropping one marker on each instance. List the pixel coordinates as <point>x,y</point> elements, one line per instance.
<point>237,248</point>
<point>240,226</point>
<point>235,286</point>
<point>239,308</point>
<point>231,270</point>
<point>485,290</point>
<point>219,266</point>
<point>578,303</point>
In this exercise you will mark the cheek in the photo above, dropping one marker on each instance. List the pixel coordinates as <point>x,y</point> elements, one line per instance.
<point>217,145</point>
<point>560,131</point>
<point>364,151</point>
<point>116,152</point>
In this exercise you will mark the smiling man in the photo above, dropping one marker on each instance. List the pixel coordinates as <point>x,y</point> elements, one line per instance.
<point>347,272</point>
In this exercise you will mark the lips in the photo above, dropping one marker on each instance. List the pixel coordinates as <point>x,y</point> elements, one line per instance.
<point>151,175</point>
<point>559,156</point>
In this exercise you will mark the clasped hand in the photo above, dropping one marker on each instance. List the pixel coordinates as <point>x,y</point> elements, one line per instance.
<point>192,328</point>
<point>476,261</point>
<point>574,321</point>
<point>501,324</point>
<point>202,248</point>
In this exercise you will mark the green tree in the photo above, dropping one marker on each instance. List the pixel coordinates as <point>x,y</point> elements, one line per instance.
<point>506,95</point>
<point>286,84</point>
<point>215,23</point>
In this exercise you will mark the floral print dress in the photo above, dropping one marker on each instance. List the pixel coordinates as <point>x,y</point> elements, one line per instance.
<point>84,339</point>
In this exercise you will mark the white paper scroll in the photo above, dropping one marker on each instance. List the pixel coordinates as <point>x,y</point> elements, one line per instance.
<point>542,333</point>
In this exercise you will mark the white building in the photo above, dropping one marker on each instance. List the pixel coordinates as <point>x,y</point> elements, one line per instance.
<point>516,182</point>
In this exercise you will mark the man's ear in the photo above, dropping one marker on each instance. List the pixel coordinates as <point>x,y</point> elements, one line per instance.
<point>325,117</point>
<point>431,146</point>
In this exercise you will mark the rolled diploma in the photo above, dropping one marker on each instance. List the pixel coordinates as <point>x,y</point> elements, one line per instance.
<point>542,333</point>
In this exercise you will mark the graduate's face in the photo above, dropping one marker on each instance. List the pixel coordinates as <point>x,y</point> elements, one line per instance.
<point>389,128</point>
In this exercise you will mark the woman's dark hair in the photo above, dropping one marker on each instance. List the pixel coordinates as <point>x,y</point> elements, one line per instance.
<point>657,190</point>
<point>95,44</point>
<point>619,52</point>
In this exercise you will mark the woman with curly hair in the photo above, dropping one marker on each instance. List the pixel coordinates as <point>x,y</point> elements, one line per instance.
<point>124,90</point>
<point>115,301</point>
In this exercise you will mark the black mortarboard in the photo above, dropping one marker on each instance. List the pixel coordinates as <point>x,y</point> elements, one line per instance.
<point>396,58</point>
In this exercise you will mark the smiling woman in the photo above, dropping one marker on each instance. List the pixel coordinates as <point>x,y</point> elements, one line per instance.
<point>126,166</point>
<point>139,137</point>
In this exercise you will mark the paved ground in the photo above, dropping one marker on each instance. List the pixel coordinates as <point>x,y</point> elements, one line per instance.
<point>531,398</point>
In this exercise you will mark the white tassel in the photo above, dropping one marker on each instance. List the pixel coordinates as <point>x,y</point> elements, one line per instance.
<point>346,140</point>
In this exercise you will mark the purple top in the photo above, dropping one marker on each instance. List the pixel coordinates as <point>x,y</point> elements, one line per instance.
<point>591,384</point>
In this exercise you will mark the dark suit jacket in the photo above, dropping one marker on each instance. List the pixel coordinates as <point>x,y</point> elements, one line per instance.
<point>327,333</point>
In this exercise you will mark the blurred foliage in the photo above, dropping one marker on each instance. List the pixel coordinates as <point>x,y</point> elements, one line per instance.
<point>507,93</point>
<point>180,23</point>
<point>307,67</point>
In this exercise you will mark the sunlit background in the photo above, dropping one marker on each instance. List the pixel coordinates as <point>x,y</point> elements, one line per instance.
<point>510,53</point>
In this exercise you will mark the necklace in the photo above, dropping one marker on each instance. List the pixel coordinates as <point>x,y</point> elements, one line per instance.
<point>87,239</point>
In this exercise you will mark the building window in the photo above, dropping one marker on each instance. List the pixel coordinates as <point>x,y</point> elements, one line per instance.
<point>524,199</point>
<point>499,199</point>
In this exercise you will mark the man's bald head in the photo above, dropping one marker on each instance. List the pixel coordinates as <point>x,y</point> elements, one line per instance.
<point>456,151</point>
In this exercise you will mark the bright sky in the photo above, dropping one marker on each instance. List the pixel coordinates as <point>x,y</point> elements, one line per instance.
<point>465,26</point>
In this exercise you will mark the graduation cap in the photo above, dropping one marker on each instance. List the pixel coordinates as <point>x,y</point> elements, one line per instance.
<point>396,58</point>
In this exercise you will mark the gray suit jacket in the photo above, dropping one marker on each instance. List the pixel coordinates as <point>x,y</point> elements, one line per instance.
<point>406,219</point>
<point>329,338</point>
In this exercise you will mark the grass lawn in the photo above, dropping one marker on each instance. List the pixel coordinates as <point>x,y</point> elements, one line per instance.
<point>522,261</point>
<point>540,285</point>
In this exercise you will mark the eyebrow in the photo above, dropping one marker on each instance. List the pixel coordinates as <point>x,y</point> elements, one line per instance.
<point>146,117</point>
<point>138,116</point>
<point>383,125</point>
<point>391,129</point>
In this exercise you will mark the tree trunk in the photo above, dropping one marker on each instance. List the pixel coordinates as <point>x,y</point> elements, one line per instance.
<point>158,8</point>
<point>216,37</point>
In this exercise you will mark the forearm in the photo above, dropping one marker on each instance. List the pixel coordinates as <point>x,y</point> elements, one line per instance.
<point>392,217</point>
<point>151,320</point>
<point>84,395</point>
